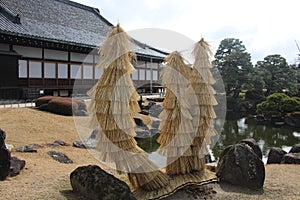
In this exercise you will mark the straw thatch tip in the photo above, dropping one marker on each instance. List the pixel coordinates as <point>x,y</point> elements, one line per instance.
<point>202,46</point>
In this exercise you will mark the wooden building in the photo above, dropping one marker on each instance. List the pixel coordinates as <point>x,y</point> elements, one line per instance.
<point>47,45</point>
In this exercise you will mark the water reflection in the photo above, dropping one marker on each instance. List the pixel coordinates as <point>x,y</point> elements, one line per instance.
<point>267,136</point>
<point>234,130</point>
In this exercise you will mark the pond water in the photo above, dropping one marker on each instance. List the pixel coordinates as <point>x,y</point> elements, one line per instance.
<point>234,130</point>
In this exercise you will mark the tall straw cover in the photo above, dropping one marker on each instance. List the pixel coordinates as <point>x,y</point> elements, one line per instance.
<point>176,122</point>
<point>202,110</point>
<point>114,101</point>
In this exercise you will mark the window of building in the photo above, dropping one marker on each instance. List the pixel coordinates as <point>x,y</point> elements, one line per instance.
<point>98,72</point>
<point>76,72</point>
<point>62,71</point>
<point>155,75</point>
<point>141,74</point>
<point>49,70</point>
<point>148,75</point>
<point>88,72</point>
<point>141,64</point>
<point>135,75</point>
<point>23,72</point>
<point>35,69</point>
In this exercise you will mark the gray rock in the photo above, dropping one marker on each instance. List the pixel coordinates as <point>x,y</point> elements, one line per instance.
<point>27,149</point>
<point>144,112</point>
<point>91,182</point>
<point>60,157</point>
<point>94,133</point>
<point>239,165</point>
<point>16,165</point>
<point>291,158</point>
<point>81,113</point>
<point>155,124</point>
<point>79,144</point>
<point>154,131</point>
<point>155,110</point>
<point>275,155</point>
<point>143,134</point>
<point>139,121</point>
<point>295,149</point>
<point>4,157</point>
<point>89,143</point>
<point>86,144</point>
<point>9,147</point>
<point>253,144</point>
<point>57,143</point>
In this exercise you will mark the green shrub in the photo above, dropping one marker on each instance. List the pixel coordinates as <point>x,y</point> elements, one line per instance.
<point>290,105</point>
<point>278,104</point>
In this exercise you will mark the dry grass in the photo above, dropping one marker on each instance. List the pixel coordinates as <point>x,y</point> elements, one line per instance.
<point>45,178</point>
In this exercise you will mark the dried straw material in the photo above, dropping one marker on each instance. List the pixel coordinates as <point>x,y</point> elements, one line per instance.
<point>202,110</point>
<point>114,102</point>
<point>176,183</point>
<point>176,122</point>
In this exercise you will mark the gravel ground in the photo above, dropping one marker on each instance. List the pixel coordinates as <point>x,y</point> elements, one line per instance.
<point>45,178</point>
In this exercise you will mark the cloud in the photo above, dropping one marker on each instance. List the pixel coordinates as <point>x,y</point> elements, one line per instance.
<point>265,27</point>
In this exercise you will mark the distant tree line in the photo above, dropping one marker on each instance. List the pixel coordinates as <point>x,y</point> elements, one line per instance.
<point>245,82</point>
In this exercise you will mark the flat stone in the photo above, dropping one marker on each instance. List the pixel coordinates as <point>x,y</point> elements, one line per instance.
<point>155,110</point>
<point>143,134</point>
<point>60,157</point>
<point>139,121</point>
<point>27,149</point>
<point>57,143</point>
<point>155,124</point>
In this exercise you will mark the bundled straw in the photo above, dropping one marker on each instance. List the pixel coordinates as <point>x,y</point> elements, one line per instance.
<point>202,110</point>
<point>176,122</point>
<point>114,101</point>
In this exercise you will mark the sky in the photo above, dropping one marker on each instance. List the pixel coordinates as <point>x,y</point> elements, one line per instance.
<point>265,27</point>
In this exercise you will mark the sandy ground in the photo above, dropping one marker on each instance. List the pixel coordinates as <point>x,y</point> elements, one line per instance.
<point>45,178</point>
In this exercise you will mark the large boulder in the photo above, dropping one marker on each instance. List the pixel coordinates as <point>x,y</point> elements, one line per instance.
<point>275,155</point>
<point>253,144</point>
<point>295,149</point>
<point>239,165</point>
<point>16,165</point>
<point>92,182</point>
<point>4,157</point>
<point>291,158</point>
<point>61,105</point>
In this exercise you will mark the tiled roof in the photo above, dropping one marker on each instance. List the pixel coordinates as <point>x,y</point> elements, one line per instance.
<point>59,20</point>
